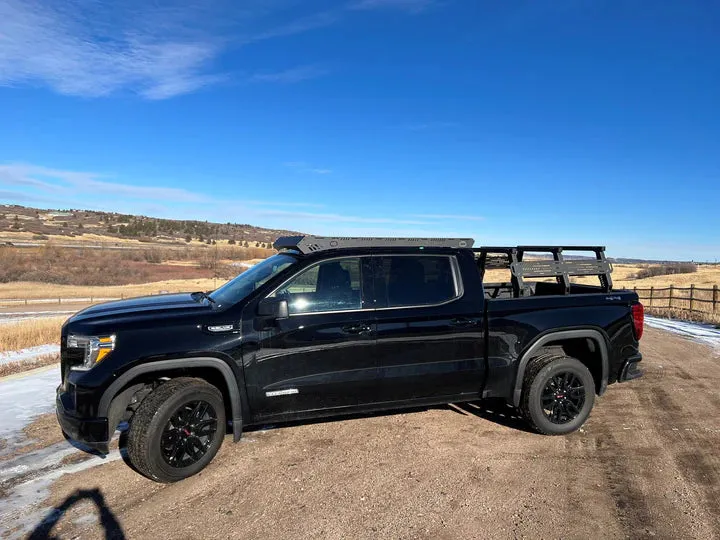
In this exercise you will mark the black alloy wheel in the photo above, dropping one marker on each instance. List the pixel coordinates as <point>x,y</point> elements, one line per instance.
<point>563,397</point>
<point>188,434</point>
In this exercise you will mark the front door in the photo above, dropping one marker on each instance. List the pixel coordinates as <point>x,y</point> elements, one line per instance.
<point>321,356</point>
<point>429,335</point>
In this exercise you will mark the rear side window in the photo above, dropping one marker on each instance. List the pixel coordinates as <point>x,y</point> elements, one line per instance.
<point>333,285</point>
<point>413,280</point>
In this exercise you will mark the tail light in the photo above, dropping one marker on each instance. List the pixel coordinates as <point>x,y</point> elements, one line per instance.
<point>638,317</point>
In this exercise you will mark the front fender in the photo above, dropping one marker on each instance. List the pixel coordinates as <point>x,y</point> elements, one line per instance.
<point>114,397</point>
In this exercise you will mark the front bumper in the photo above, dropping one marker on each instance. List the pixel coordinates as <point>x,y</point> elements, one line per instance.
<point>630,370</point>
<point>91,432</point>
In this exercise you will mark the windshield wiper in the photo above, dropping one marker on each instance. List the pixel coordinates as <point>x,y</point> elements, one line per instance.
<point>203,294</point>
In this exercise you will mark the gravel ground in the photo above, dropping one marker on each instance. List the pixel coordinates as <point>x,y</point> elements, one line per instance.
<point>646,464</point>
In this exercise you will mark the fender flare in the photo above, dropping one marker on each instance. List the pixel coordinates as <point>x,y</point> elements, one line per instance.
<point>543,340</point>
<point>113,391</point>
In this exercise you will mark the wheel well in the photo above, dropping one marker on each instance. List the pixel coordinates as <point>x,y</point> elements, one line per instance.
<point>126,401</point>
<point>584,349</point>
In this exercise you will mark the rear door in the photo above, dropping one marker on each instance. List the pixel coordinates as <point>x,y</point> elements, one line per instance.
<point>429,335</point>
<point>321,356</point>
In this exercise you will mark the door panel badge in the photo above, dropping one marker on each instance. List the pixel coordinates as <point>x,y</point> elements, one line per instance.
<point>286,392</point>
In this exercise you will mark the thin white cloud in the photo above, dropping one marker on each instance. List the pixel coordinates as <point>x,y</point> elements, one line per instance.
<point>289,76</point>
<point>62,185</point>
<point>298,26</point>
<point>69,182</point>
<point>305,167</point>
<point>90,49</point>
<point>458,217</point>
<point>410,6</point>
<point>340,218</point>
<point>424,126</point>
<point>157,50</point>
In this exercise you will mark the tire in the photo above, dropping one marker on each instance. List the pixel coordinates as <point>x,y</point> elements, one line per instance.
<point>170,437</point>
<point>546,405</point>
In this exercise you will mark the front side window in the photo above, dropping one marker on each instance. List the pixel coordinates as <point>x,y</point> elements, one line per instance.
<point>333,285</point>
<point>412,280</point>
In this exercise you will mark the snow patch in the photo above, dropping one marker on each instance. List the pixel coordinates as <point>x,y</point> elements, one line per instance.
<point>25,397</point>
<point>704,333</point>
<point>22,510</point>
<point>28,354</point>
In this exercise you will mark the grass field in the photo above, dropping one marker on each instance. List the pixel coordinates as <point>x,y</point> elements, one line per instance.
<point>22,334</point>
<point>33,290</point>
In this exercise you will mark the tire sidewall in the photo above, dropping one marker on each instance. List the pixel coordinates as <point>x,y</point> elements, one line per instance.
<point>535,398</point>
<point>153,451</point>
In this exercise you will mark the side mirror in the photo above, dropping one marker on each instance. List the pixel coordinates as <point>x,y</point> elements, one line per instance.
<point>273,308</point>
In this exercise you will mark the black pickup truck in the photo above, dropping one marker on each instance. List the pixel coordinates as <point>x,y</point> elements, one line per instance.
<point>330,326</point>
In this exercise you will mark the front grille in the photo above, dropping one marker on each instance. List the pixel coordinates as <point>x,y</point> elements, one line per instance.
<point>69,358</point>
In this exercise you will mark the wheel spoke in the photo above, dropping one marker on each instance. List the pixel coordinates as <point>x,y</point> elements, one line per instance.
<point>563,397</point>
<point>206,427</point>
<point>199,411</point>
<point>189,433</point>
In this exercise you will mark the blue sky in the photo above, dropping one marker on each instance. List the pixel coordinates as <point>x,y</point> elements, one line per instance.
<point>514,122</point>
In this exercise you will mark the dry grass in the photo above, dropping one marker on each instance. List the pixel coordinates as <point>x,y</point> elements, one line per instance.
<point>697,316</point>
<point>30,290</point>
<point>26,365</point>
<point>22,334</point>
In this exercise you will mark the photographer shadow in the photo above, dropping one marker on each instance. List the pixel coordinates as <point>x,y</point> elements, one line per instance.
<point>108,521</point>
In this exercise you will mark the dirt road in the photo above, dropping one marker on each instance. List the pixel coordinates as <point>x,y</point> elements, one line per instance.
<point>646,464</point>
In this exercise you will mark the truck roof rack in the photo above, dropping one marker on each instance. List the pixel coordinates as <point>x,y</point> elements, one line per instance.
<point>559,267</point>
<point>312,244</point>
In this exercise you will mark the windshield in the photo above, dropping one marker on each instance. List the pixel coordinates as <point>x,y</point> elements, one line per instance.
<point>252,278</point>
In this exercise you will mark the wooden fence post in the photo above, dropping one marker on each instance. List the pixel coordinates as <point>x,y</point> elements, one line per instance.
<point>652,288</point>
<point>671,295</point>
<point>715,298</point>
<point>692,294</point>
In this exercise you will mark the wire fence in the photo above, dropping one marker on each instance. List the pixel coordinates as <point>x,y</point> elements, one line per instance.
<point>691,299</point>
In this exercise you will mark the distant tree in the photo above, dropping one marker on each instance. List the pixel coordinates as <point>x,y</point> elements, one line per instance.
<point>231,241</point>
<point>80,226</point>
<point>246,244</point>
<point>214,242</point>
<point>188,238</point>
<point>208,242</point>
<point>201,238</point>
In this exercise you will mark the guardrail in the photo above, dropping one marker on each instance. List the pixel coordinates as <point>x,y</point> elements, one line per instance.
<point>692,298</point>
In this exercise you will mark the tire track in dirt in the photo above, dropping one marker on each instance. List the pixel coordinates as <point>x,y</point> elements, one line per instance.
<point>698,467</point>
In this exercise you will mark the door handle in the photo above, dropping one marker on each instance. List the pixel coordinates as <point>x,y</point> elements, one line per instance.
<point>463,321</point>
<point>356,329</point>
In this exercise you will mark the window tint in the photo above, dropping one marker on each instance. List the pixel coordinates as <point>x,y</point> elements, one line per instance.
<point>413,280</point>
<point>329,286</point>
<point>238,288</point>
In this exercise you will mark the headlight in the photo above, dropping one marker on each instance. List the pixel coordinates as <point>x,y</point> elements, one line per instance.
<point>96,349</point>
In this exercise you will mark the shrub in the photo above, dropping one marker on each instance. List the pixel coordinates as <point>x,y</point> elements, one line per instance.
<point>665,270</point>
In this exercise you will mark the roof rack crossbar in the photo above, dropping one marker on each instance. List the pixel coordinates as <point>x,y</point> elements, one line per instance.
<point>312,244</point>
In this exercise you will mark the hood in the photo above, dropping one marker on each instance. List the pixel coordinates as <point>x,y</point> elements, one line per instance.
<point>145,305</point>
